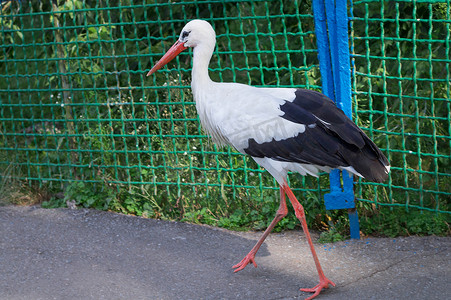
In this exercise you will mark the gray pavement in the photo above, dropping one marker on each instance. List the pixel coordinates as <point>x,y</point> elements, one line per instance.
<point>87,254</point>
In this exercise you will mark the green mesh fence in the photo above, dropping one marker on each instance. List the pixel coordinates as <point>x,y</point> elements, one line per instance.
<point>401,85</point>
<point>77,108</point>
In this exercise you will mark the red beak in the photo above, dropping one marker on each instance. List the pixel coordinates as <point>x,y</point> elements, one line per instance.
<point>170,55</point>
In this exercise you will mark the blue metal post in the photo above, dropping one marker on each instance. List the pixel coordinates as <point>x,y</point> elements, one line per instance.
<point>331,27</point>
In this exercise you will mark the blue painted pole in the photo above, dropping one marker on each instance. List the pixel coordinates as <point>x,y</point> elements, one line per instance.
<point>322,42</point>
<point>343,81</point>
<point>343,89</point>
<point>331,28</point>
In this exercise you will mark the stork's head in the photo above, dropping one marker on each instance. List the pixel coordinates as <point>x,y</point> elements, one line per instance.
<point>196,33</point>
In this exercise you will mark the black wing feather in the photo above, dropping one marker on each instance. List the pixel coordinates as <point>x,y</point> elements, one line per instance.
<point>331,139</point>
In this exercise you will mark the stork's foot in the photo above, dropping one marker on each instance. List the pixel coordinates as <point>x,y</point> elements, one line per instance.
<point>323,283</point>
<point>249,258</point>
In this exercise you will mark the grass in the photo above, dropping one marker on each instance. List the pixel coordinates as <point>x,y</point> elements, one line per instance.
<point>333,225</point>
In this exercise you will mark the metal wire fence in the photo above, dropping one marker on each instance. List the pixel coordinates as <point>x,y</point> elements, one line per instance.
<point>401,86</point>
<point>76,106</point>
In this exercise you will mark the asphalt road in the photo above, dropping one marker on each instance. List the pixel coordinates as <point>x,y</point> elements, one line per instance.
<point>87,254</point>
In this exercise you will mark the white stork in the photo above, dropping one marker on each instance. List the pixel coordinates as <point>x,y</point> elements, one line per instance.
<point>282,129</point>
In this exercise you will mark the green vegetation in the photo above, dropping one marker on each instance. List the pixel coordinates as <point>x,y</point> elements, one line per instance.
<point>82,124</point>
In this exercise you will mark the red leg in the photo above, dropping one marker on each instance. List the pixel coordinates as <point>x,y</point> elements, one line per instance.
<point>299,211</point>
<point>250,257</point>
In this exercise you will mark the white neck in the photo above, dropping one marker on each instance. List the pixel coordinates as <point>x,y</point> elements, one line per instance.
<point>201,59</point>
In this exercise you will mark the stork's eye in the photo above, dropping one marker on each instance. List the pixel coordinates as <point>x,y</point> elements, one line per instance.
<point>185,34</point>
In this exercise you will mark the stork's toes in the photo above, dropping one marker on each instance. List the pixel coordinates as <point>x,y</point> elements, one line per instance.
<point>250,258</point>
<point>323,283</point>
